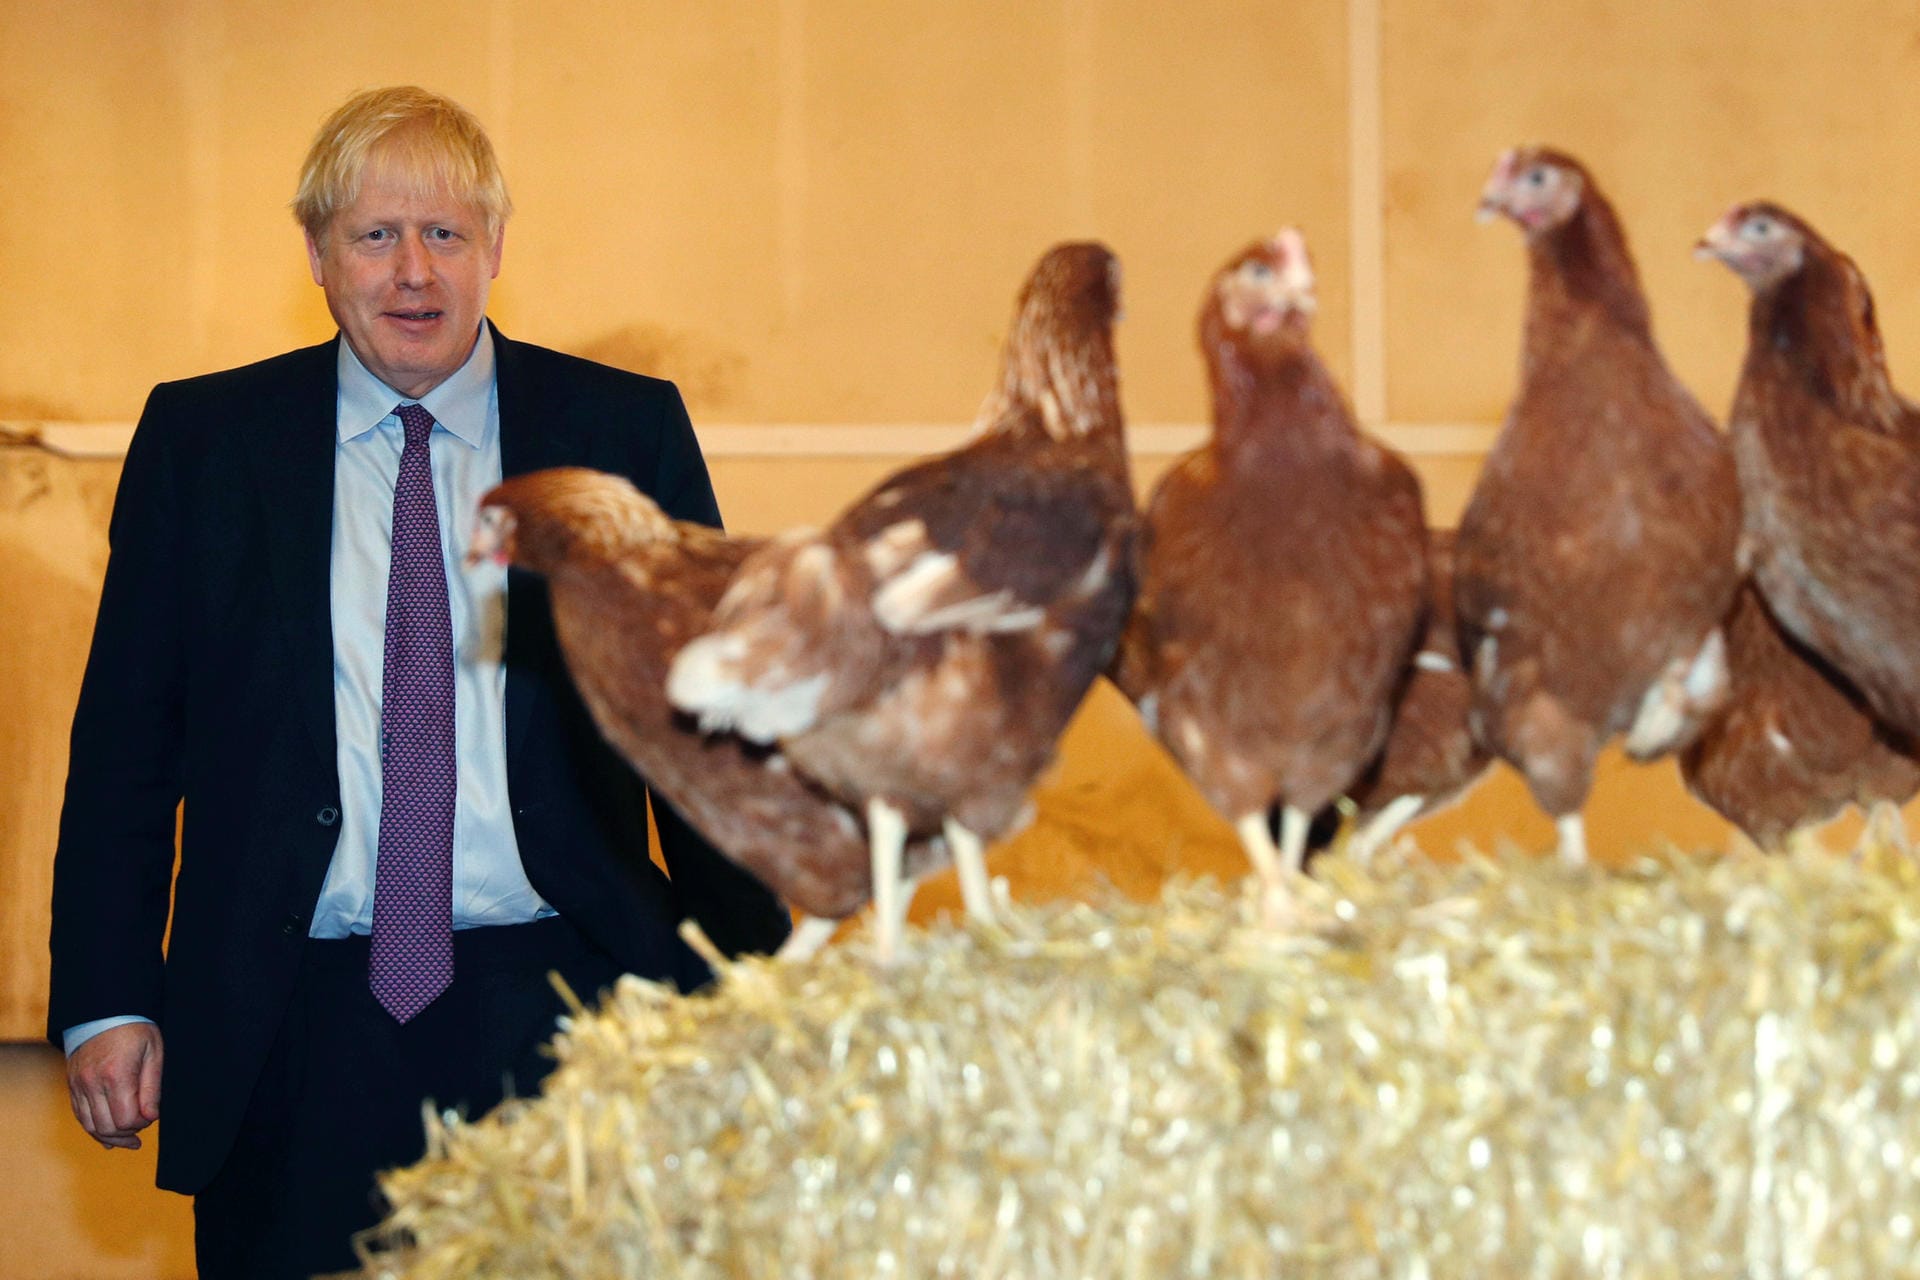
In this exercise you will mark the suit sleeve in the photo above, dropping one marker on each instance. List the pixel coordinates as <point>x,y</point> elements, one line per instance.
<point>113,865</point>
<point>733,908</point>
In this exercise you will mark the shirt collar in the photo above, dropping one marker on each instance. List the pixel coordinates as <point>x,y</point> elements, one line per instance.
<point>459,404</point>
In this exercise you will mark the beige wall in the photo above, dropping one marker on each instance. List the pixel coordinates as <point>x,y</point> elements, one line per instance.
<point>816,212</point>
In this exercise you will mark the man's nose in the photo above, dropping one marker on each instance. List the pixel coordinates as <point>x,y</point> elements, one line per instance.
<point>413,269</point>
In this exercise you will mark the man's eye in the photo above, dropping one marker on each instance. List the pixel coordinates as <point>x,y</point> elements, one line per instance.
<point>378,233</point>
<point>440,233</point>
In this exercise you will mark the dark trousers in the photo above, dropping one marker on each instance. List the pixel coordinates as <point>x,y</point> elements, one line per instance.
<point>340,1097</point>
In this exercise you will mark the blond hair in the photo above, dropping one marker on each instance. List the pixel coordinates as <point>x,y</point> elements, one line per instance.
<point>432,142</point>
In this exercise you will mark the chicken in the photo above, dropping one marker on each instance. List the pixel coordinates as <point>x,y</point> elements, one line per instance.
<point>920,657</point>
<point>1431,756</point>
<point>1795,744</point>
<point>1829,459</point>
<point>1596,557</point>
<point>1284,574</point>
<point>629,586</point>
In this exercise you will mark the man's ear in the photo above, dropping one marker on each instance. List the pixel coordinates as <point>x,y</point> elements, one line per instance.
<point>319,276</point>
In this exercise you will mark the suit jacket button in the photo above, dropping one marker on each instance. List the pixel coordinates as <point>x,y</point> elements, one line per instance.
<point>327,816</point>
<point>291,925</point>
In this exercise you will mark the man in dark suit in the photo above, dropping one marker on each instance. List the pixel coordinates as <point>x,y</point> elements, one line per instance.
<point>398,818</point>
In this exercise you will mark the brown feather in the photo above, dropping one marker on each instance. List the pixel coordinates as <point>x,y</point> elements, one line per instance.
<point>1284,570</point>
<point>969,600</point>
<point>1795,744</point>
<point>1829,458</point>
<point>1598,547</point>
<point>629,587</point>
<point>1430,750</point>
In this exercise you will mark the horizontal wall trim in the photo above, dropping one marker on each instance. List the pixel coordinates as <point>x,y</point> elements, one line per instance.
<point>823,439</point>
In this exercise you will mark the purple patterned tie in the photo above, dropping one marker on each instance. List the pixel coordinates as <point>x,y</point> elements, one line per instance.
<point>412,955</point>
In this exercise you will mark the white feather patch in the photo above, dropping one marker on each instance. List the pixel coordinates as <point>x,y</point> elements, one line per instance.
<point>705,680</point>
<point>1429,660</point>
<point>894,545</point>
<point>1707,678</point>
<point>1149,707</point>
<point>1095,577</point>
<point>916,601</point>
<point>1192,737</point>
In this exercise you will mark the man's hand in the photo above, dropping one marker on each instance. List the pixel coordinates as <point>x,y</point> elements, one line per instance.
<point>113,1081</point>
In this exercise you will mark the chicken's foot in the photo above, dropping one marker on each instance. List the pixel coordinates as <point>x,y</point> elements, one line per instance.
<point>1573,840</point>
<point>970,863</point>
<point>887,837</point>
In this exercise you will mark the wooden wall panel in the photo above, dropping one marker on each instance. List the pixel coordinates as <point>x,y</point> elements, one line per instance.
<point>53,551</point>
<point>1680,110</point>
<point>804,211</point>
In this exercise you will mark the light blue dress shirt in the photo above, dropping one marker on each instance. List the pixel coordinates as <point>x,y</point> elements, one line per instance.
<point>490,886</point>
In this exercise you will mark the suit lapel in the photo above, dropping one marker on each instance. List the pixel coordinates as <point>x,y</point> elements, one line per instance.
<point>292,447</point>
<point>535,432</point>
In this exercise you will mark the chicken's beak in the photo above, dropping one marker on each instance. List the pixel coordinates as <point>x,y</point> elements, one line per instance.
<point>1296,272</point>
<point>1493,196</point>
<point>1717,244</point>
<point>489,540</point>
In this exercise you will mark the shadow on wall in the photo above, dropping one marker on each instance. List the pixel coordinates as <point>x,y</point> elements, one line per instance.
<point>708,374</point>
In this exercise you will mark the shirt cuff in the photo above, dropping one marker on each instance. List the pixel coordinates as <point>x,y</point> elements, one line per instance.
<point>73,1037</point>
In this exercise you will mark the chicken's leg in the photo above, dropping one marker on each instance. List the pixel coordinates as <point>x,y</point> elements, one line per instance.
<point>970,863</point>
<point>1294,826</point>
<point>1374,832</point>
<point>887,837</point>
<point>1573,840</point>
<point>1261,850</point>
<point>1274,864</point>
<point>810,933</point>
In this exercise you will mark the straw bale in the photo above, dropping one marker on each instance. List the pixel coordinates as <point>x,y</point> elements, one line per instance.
<point>1683,1067</point>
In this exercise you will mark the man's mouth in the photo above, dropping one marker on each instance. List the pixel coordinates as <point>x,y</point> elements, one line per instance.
<point>414,315</point>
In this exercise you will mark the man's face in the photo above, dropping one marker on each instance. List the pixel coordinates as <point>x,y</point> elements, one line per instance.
<point>406,279</point>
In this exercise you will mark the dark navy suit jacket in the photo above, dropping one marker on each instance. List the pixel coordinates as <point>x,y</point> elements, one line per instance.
<point>211,680</point>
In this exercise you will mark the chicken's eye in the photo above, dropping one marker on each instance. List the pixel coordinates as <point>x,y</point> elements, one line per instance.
<point>1535,177</point>
<point>1760,228</point>
<point>1256,270</point>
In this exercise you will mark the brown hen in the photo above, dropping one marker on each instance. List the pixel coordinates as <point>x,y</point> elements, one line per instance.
<point>921,656</point>
<point>1596,557</point>
<point>1829,457</point>
<point>1795,744</point>
<point>629,586</point>
<point>1283,573</point>
<point>1431,757</point>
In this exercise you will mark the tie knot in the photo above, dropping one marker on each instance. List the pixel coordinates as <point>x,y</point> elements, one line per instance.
<point>417,421</point>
